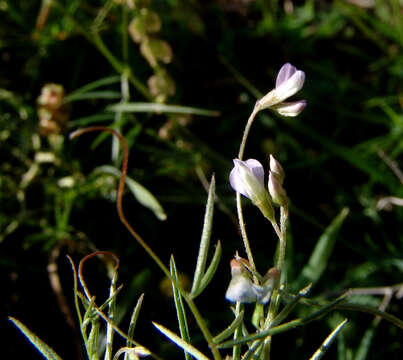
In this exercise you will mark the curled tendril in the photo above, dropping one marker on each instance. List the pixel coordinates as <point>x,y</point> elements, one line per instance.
<point>121,190</point>
<point>81,265</point>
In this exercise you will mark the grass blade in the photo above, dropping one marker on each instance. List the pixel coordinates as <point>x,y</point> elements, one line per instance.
<point>254,350</point>
<point>160,108</point>
<point>180,309</point>
<point>285,327</point>
<point>317,263</point>
<point>289,307</point>
<point>111,315</point>
<point>92,95</point>
<point>208,276</point>
<point>87,120</point>
<point>181,343</point>
<point>328,341</point>
<point>133,322</point>
<point>205,239</point>
<point>230,329</point>
<point>43,348</point>
<point>93,85</point>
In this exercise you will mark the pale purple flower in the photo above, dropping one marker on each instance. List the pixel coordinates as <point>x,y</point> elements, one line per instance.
<point>247,177</point>
<point>289,81</point>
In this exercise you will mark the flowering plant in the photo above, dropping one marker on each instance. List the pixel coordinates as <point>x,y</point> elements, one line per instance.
<point>269,294</point>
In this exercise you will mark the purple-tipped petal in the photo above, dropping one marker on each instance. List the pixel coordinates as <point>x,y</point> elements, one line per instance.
<point>256,168</point>
<point>290,86</point>
<point>290,109</point>
<point>286,71</point>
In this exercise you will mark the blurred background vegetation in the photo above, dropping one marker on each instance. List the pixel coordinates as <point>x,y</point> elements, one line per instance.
<point>72,63</point>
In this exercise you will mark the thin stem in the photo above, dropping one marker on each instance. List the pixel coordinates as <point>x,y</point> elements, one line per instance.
<point>238,195</point>
<point>243,232</point>
<point>202,325</point>
<point>139,239</point>
<point>236,350</point>
<point>275,297</point>
<point>95,39</point>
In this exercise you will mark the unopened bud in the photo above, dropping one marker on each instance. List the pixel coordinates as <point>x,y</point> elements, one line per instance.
<point>277,169</point>
<point>276,191</point>
<point>270,281</point>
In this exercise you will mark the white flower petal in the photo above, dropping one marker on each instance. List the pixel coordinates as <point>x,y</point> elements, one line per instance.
<point>290,86</point>
<point>243,290</point>
<point>237,182</point>
<point>290,109</point>
<point>247,178</point>
<point>256,168</point>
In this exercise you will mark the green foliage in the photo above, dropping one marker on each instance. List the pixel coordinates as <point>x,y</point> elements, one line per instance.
<point>178,80</point>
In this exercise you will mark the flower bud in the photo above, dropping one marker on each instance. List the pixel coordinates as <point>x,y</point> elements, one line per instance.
<point>276,191</point>
<point>277,169</point>
<point>290,109</point>
<point>247,178</point>
<point>270,280</point>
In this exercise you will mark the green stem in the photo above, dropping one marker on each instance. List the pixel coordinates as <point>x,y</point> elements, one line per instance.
<point>238,195</point>
<point>202,324</point>
<point>95,39</point>
<point>275,297</point>
<point>118,66</point>
<point>199,319</point>
<point>236,350</point>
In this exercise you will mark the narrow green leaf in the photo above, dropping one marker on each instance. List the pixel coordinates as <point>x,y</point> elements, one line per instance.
<point>43,348</point>
<point>111,315</point>
<point>205,238</point>
<point>289,307</point>
<point>365,342</point>
<point>92,343</point>
<point>143,196</point>
<point>328,341</point>
<point>285,327</point>
<point>254,350</point>
<point>160,108</point>
<point>93,85</point>
<point>208,276</point>
<point>92,95</point>
<point>230,329</point>
<point>132,326</point>
<point>181,343</point>
<point>317,263</point>
<point>133,319</point>
<point>180,309</point>
<point>87,120</point>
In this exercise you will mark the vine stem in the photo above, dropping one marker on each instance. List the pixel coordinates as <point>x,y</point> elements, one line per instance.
<point>238,195</point>
<point>199,319</point>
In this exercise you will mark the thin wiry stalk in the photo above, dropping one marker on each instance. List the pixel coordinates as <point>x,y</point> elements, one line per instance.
<point>199,319</point>
<point>238,195</point>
